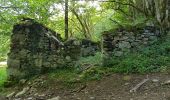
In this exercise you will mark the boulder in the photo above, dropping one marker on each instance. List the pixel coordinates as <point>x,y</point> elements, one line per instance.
<point>124,44</point>
<point>118,53</point>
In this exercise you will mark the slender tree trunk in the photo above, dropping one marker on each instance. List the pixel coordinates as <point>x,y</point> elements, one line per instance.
<point>66,19</point>
<point>81,23</point>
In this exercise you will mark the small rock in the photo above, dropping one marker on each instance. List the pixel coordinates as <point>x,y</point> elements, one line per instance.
<point>125,37</point>
<point>127,84</point>
<point>92,98</point>
<point>118,53</point>
<point>155,80</point>
<point>124,44</point>
<point>68,58</point>
<point>166,82</point>
<point>17,99</point>
<point>145,39</point>
<point>22,92</point>
<point>10,95</point>
<point>22,81</point>
<point>42,95</point>
<point>55,98</point>
<point>86,92</point>
<point>145,43</point>
<point>153,38</point>
<point>30,98</point>
<point>78,99</point>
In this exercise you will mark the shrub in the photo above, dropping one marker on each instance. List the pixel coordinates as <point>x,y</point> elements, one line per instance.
<point>154,58</point>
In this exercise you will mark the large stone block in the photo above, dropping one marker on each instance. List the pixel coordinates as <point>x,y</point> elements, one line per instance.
<point>124,44</point>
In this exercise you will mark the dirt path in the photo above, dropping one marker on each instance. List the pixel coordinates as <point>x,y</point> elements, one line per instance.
<point>113,87</point>
<point>2,64</point>
<point>117,87</point>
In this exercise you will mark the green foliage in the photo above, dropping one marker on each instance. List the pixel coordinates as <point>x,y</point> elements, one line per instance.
<point>89,68</point>
<point>4,47</point>
<point>93,73</point>
<point>155,58</point>
<point>3,76</point>
<point>65,75</point>
<point>90,60</point>
<point>103,24</point>
<point>79,72</point>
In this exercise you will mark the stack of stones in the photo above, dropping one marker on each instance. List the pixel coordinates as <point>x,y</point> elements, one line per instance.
<point>74,48</point>
<point>89,48</point>
<point>122,42</point>
<point>34,49</point>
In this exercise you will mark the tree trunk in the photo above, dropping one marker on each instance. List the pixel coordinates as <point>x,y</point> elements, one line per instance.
<point>66,19</point>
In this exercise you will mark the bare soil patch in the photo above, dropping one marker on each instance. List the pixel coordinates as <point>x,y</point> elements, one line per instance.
<point>112,87</point>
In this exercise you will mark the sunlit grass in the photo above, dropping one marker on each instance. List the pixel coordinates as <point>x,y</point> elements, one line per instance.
<point>3,75</point>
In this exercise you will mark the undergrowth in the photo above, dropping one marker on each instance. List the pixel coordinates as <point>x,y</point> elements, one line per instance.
<point>3,76</point>
<point>154,58</point>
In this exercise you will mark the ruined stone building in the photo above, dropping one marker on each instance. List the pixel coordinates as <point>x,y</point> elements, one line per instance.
<point>35,49</point>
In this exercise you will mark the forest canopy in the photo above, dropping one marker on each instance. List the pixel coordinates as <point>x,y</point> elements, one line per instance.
<point>86,18</point>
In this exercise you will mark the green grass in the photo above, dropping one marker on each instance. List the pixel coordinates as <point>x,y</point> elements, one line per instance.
<point>3,76</point>
<point>70,76</point>
<point>65,75</point>
<point>154,58</point>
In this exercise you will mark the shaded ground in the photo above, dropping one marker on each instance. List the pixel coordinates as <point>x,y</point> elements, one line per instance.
<point>110,87</point>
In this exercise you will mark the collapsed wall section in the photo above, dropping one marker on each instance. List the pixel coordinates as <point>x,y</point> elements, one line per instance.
<point>121,42</point>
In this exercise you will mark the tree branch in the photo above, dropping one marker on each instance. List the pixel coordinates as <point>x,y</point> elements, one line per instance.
<point>116,22</point>
<point>127,4</point>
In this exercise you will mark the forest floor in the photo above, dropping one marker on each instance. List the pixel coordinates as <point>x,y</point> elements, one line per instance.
<point>110,87</point>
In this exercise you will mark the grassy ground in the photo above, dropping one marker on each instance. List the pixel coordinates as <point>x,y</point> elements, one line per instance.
<point>3,76</point>
<point>154,58</point>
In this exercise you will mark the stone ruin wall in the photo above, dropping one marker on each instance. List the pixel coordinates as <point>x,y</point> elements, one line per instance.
<point>32,49</point>
<point>35,49</point>
<point>122,42</point>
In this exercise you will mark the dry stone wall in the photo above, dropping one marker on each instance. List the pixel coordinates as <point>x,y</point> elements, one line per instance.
<point>35,49</point>
<point>121,42</point>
